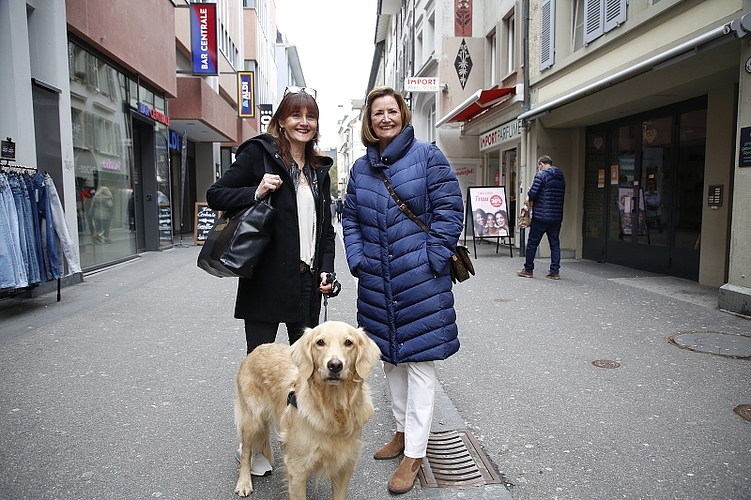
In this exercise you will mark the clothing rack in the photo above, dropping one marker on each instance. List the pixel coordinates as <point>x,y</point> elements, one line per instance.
<point>7,165</point>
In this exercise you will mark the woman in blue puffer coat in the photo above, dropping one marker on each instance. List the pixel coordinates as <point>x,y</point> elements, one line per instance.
<point>405,302</point>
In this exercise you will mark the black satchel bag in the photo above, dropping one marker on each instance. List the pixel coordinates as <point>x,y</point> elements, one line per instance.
<point>461,261</point>
<point>234,246</point>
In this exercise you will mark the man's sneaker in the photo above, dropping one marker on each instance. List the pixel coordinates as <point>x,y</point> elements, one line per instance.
<point>259,464</point>
<point>524,273</point>
<point>553,276</point>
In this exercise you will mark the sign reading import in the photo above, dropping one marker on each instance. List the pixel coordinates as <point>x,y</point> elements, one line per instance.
<point>203,38</point>
<point>498,135</point>
<point>421,84</point>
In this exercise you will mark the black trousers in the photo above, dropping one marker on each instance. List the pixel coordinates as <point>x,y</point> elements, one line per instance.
<point>262,332</point>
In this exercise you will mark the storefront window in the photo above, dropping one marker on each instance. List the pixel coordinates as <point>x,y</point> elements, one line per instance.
<point>102,164</point>
<point>163,185</point>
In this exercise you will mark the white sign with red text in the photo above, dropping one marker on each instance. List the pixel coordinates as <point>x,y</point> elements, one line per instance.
<point>421,84</point>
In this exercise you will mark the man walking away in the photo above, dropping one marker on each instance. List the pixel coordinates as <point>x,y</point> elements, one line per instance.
<point>545,199</point>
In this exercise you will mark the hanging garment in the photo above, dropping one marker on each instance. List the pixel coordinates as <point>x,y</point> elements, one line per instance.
<point>61,227</point>
<point>12,271</point>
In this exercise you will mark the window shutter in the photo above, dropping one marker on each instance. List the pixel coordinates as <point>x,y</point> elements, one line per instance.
<point>547,34</point>
<point>615,14</point>
<point>593,19</point>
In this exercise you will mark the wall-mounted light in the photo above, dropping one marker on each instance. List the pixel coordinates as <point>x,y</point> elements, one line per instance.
<point>444,87</point>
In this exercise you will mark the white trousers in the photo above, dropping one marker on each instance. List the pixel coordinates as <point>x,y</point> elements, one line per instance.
<point>412,387</point>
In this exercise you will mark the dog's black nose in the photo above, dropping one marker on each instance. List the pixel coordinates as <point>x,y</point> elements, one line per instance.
<point>334,365</point>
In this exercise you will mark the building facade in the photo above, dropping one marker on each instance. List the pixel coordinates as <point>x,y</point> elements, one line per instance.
<point>643,106</point>
<point>135,111</point>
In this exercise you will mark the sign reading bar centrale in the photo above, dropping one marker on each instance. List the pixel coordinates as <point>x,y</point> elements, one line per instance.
<point>203,38</point>
<point>421,84</point>
<point>505,132</point>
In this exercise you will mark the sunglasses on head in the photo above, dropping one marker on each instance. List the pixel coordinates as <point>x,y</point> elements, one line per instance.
<point>296,90</point>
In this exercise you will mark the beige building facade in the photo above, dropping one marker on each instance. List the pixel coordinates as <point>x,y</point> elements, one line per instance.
<point>642,107</point>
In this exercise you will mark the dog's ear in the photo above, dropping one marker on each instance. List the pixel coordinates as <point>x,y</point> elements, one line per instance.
<point>301,353</point>
<point>368,354</point>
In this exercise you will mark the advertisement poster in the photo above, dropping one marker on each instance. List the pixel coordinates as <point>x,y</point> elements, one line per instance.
<point>489,211</point>
<point>625,207</point>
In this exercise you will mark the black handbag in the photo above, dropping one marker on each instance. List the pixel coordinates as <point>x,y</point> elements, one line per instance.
<point>234,247</point>
<point>461,261</point>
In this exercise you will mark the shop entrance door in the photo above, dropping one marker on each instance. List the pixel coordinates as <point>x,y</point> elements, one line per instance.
<point>643,194</point>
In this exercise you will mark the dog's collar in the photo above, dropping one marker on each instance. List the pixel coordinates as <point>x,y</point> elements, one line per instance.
<point>292,399</point>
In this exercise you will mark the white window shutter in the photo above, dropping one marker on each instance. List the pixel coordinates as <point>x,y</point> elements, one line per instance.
<point>594,12</point>
<point>615,13</point>
<point>547,34</point>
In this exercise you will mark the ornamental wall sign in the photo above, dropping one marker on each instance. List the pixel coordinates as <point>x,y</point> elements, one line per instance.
<point>463,64</point>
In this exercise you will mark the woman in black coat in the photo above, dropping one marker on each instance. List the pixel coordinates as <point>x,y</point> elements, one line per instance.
<point>284,165</point>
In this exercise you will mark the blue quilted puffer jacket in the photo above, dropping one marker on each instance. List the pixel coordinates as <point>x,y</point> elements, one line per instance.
<point>404,301</point>
<point>547,192</point>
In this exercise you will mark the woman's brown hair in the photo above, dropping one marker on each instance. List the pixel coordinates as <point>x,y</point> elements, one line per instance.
<point>367,133</point>
<point>294,103</point>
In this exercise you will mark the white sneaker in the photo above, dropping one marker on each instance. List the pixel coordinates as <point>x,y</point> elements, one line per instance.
<point>259,464</point>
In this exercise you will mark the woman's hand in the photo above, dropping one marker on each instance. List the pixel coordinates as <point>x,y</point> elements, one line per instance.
<point>269,184</point>
<point>324,287</point>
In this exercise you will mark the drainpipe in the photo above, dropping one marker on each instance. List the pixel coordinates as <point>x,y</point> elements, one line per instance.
<point>524,154</point>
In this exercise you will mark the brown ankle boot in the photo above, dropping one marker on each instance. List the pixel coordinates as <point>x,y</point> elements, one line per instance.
<point>404,478</point>
<point>392,449</point>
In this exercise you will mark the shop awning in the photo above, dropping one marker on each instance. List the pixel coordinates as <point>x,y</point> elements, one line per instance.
<point>479,102</point>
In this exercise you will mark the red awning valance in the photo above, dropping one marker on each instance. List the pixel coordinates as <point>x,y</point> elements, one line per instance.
<point>479,102</point>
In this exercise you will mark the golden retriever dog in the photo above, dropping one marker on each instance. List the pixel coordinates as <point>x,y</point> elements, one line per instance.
<point>314,395</point>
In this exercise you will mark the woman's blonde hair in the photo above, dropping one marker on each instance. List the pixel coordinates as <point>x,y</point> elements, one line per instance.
<point>367,133</point>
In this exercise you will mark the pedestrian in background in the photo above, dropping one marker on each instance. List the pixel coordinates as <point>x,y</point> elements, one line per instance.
<point>545,200</point>
<point>291,274</point>
<point>104,208</point>
<point>404,302</point>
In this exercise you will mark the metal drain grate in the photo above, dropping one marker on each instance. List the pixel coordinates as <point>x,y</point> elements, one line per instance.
<point>454,459</point>
<point>728,345</point>
<point>606,363</point>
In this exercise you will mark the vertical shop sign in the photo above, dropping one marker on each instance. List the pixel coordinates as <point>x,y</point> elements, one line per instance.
<point>744,152</point>
<point>203,38</point>
<point>266,111</point>
<point>245,94</point>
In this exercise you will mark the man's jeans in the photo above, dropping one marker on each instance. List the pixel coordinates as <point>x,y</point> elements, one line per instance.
<point>536,230</point>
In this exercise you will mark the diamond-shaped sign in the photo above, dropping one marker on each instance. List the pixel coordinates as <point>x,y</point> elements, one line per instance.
<point>463,64</point>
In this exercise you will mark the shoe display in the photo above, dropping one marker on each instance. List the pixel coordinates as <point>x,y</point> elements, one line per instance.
<point>553,276</point>
<point>392,449</point>
<point>524,273</point>
<point>403,479</point>
<point>259,464</point>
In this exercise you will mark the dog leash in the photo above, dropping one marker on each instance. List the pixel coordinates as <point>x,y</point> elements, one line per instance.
<point>336,287</point>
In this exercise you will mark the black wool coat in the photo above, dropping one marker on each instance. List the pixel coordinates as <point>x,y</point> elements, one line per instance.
<point>273,294</point>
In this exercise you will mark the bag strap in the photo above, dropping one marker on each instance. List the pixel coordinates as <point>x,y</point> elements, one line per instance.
<point>402,206</point>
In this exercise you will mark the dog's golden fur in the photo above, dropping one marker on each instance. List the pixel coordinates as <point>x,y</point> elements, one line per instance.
<point>322,436</point>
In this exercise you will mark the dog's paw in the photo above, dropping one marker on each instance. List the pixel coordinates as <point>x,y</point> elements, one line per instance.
<point>244,488</point>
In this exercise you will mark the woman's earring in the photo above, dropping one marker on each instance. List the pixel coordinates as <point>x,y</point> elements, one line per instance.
<point>281,130</point>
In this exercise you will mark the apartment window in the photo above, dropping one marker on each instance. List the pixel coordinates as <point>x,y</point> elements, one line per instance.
<point>510,45</point>
<point>601,16</point>
<point>429,38</point>
<point>547,34</point>
<point>578,24</point>
<point>492,59</point>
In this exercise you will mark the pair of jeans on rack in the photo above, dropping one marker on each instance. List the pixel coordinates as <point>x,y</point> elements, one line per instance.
<point>12,270</point>
<point>26,233</point>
